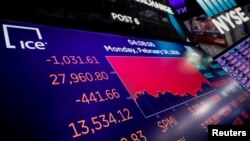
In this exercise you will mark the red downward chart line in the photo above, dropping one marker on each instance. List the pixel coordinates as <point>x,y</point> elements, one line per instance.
<point>158,75</point>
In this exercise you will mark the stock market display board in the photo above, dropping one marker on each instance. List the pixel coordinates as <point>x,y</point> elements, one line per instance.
<point>71,85</point>
<point>237,61</point>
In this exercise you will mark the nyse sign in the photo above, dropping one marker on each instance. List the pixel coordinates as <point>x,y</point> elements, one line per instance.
<point>228,20</point>
<point>232,18</point>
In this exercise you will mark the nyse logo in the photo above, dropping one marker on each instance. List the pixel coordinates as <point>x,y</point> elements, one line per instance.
<point>24,44</point>
<point>229,19</point>
<point>213,7</point>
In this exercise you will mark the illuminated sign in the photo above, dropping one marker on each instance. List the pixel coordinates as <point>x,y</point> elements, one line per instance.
<point>30,44</point>
<point>212,7</point>
<point>179,6</point>
<point>124,18</point>
<point>236,63</point>
<point>232,18</point>
<point>156,5</point>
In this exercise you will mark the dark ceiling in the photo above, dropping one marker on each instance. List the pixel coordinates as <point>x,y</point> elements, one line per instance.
<point>94,15</point>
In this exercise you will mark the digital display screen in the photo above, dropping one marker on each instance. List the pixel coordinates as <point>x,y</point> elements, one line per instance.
<point>237,61</point>
<point>71,85</point>
<point>206,32</point>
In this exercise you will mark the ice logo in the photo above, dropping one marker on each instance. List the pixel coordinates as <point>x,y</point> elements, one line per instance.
<point>24,44</point>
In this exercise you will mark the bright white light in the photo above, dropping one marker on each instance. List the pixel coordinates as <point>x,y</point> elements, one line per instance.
<point>204,109</point>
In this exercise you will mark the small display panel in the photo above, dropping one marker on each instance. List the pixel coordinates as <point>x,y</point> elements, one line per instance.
<point>237,63</point>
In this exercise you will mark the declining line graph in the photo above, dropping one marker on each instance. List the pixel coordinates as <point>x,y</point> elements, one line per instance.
<point>157,84</point>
